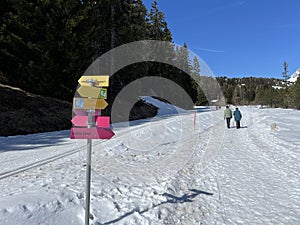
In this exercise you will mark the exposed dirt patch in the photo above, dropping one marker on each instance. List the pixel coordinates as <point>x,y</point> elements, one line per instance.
<point>25,113</point>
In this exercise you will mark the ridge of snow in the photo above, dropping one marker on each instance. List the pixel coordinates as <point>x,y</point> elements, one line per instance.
<point>164,108</point>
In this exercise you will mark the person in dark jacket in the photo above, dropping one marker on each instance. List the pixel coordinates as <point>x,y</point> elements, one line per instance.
<point>227,115</point>
<point>237,117</point>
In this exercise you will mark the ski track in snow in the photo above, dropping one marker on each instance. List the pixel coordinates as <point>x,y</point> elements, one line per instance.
<point>163,172</point>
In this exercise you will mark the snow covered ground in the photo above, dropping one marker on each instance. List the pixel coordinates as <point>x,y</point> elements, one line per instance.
<point>166,171</point>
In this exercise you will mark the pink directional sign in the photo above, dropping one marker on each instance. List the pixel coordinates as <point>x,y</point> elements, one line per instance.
<point>80,121</point>
<point>103,121</point>
<point>91,133</point>
<point>80,112</point>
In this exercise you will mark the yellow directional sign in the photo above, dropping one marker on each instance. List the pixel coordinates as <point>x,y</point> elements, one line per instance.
<point>92,92</point>
<point>89,103</point>
<point>100,81</point>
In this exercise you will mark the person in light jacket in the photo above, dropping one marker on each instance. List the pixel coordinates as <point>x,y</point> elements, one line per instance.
<point>227,115</point>
<point>237,117</point>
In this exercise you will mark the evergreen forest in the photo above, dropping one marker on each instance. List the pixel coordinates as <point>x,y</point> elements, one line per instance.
<point>46,45</point>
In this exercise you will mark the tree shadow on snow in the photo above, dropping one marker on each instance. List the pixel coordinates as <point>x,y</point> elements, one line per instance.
<point>172,199</point>
<point>33,141</point>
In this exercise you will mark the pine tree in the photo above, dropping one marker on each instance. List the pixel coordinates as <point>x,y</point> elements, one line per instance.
<point>185,76</point>
<point>201,98</point>
<point>285,71</point>
<point>286,101</point>
<point>157,29</point>
<point>157,25</point>
<point>196,67</point>
<point>182,58</point>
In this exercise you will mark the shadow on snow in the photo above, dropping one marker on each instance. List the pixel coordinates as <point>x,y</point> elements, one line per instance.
<point>171,199</point>
<point>33,141</point>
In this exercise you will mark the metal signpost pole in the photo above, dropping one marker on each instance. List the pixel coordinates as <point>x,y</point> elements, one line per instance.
<point>88,172</point>
<point>91,122</point>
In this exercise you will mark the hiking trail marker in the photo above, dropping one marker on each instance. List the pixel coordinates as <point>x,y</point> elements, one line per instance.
<point>88,122</point>
<point>89,103</point>
<point>98,81</point>
<point>92,92</point>
<point>82,121</point>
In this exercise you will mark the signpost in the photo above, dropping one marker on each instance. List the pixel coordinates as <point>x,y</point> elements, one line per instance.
<point>103,121</point>
<point>81,112</point>
<point>92,92</point>
<point>100,81</point>
<point>88,124</point>
<point>89,103</point>
<point>82,121</point>
<point>91,133</point>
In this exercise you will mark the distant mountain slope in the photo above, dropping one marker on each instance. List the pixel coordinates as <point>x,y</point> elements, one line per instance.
<point>295,76</point>
<point>25,113</point>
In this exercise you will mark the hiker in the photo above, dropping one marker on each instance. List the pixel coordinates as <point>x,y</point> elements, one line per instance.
<point>237,117</point>
<point>227,115</point>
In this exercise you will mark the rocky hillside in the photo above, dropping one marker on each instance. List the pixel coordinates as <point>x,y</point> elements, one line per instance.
<point>25,113</point>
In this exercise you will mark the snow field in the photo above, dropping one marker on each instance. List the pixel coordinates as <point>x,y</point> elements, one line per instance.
<point>162,172</point>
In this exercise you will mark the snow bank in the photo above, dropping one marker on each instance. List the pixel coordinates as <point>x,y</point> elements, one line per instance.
<point>164,108</point>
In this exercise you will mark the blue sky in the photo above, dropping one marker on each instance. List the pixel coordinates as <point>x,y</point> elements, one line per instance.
<point>238,38</point>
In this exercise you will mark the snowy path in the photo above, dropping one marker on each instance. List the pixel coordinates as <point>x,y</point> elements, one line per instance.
<point>258,179</point>
<point>163,172</point>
